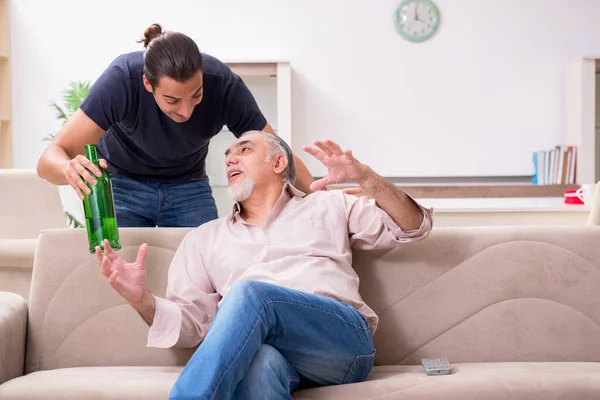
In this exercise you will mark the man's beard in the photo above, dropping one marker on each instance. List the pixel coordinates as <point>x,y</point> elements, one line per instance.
<point>241,191</point>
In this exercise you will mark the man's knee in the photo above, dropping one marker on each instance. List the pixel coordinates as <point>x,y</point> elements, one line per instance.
<point>269,371</point>
<point>268,361</point>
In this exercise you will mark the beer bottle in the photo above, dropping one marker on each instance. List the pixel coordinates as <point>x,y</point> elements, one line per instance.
<point>99,208</point>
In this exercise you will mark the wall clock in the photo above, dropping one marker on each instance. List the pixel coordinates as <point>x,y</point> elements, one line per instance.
<point>417,20</point>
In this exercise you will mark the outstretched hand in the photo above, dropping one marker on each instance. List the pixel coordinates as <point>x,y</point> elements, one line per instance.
<point>341,164</point>
<point>128,279</point>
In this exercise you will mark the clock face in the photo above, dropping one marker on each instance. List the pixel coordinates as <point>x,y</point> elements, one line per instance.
<point>417,20</point>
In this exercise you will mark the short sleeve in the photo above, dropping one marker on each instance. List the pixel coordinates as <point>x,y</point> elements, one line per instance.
<point>242,113</point>
<point>110,97</point>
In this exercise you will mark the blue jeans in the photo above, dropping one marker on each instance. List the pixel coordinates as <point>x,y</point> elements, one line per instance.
<point>150,204</point>
<point>266,339</point>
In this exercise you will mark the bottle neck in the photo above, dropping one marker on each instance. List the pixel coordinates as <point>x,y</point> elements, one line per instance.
<point>90,153</point>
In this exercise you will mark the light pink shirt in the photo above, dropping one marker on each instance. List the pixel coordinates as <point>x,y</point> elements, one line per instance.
<point>306,245</point>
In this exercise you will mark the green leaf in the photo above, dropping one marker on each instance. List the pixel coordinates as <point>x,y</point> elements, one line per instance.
<point>74,222</point>
<point>60,114</point>
<point>74,96</point>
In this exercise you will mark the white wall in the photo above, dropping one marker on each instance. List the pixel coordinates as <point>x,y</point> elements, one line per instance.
<point>477,99</point>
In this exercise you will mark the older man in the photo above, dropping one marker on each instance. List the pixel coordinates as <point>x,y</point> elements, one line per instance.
<point>269,292</point>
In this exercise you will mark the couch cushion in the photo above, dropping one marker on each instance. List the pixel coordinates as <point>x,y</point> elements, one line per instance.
<point>487,294</point>
<point>513,381</point>
<point>470,294</point>
<point>477,381</point>
<point>74,314</point>
<point>91,383</point>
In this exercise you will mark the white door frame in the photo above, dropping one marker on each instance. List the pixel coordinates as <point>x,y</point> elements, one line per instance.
<point>580,118</point>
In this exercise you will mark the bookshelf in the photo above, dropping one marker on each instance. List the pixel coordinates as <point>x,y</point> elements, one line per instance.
<point>5,96</point>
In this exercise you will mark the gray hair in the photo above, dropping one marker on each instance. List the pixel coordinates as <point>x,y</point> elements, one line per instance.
<point>276,145</point>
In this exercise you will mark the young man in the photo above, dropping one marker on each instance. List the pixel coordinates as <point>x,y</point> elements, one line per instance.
<point>152,114</point>
<point>270,292</point>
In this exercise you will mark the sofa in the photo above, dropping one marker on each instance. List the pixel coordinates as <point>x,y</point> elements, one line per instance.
<point>28,204</point>
<point>516,310</point>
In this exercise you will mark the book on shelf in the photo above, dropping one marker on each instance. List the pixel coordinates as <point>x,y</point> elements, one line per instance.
<point>555,166</point>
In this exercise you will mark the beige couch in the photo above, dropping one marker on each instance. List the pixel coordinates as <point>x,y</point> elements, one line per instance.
<point>28,204</point>
<point>516,310</point>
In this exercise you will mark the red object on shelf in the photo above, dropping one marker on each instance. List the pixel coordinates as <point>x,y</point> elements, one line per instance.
<point>571,197</point>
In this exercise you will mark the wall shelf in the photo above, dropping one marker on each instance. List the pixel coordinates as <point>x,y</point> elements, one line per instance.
<point>483,191</point>
<point>281,70</point>
<point>5,84</point>
<point>254,68</point>
<point>489,191</point>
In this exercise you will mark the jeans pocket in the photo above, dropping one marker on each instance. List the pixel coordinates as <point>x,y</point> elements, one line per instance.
<point>360,368</point>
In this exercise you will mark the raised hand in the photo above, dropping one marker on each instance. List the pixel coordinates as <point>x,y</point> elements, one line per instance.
<point>128,279</point>
<point>341,164</point>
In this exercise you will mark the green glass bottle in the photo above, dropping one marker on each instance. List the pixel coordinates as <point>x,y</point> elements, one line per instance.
<point>99,208</point>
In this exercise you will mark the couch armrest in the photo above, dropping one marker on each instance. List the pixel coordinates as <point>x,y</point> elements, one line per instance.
<point>13,330</point>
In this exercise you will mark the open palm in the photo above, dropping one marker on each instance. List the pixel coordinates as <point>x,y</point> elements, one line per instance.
<point>341,164</point>
<point>128,279</point>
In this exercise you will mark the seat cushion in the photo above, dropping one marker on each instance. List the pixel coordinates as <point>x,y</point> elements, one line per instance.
<point>93,383</point>
<point>512,381</point>
<point>477,381</point>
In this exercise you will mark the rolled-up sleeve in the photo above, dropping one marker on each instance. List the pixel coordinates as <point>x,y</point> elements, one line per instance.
<point>183,317</point>
<point>370,227</point>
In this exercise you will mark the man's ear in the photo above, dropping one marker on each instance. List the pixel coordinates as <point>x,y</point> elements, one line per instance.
<point>280,164</point>
<point>147,84</point>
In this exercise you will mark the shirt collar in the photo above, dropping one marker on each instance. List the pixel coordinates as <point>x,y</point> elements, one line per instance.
<point>287,192</point>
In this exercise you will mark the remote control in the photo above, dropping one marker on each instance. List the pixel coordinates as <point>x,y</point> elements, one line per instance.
<point>436,366</point>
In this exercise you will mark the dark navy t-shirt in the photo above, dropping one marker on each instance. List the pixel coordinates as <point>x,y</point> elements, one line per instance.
<point>143,143</point>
